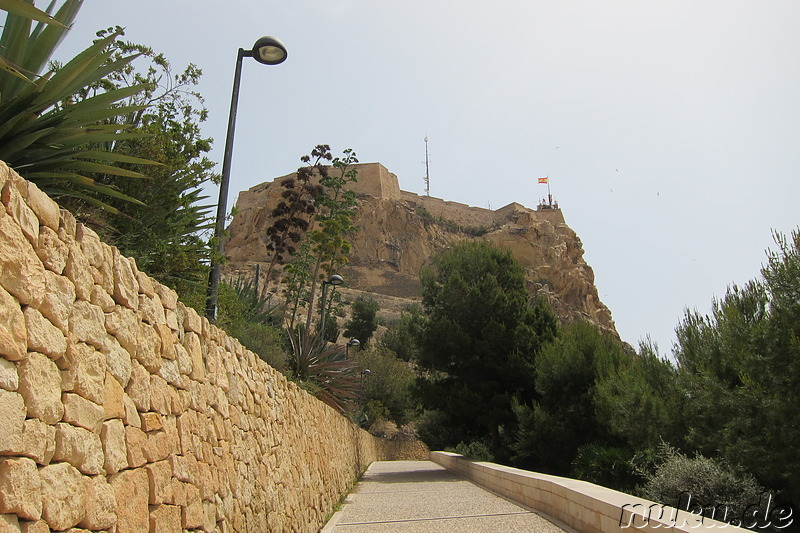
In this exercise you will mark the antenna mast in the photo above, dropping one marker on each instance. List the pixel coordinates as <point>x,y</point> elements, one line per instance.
<point>427,170</point>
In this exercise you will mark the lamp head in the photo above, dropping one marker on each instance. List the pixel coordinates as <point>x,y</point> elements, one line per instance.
<point>353,342</point>
<point>335,279</point>
<point>270,51</point>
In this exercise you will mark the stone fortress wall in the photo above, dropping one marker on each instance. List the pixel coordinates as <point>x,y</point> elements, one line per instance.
<point>123,410</point>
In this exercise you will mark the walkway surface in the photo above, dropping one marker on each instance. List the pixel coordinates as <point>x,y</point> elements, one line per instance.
<point>421,496</point>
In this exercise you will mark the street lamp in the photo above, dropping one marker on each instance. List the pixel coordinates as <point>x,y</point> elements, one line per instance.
<point>269,51</point>
<point>351,342</point>
<point>334,280</point>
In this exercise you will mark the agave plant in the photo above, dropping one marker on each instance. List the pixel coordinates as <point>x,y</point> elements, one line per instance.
<point>324,370</point>
<point>47,134</point>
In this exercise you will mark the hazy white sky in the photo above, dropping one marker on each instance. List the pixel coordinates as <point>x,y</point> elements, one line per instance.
<point>670,130</point>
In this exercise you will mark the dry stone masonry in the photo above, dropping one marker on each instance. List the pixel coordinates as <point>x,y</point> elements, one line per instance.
<point>122,410</point>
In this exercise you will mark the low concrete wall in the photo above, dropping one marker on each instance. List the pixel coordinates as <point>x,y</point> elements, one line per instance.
<point>583,506</point>
<point>123,410</point>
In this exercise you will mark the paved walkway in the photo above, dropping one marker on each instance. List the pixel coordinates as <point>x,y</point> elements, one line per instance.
<point>420,496</point>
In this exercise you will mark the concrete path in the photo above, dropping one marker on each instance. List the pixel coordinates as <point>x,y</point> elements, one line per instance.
<point>421,496</point>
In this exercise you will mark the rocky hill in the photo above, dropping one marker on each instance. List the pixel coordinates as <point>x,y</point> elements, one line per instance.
<point>400,231</point>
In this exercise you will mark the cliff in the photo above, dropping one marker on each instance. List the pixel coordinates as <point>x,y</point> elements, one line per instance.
<point>400,231</point>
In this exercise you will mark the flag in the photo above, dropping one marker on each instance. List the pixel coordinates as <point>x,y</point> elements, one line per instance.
<point>544,180</point>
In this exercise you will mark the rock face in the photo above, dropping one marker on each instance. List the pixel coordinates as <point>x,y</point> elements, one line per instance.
<point>400,231</point>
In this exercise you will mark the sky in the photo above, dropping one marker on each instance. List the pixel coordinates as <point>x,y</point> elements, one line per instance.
<point>670,130</point>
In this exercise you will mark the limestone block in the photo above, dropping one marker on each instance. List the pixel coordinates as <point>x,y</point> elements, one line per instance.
<point>81,412</point>
<point>139,387</point>
<point>101,504</point>
<point>168,341</point>
<point>159,446</point>
<point>58,300</point>
<point>38,441</point>
<point>146,284</point>
<point>51,250</point>
<point>191,341</point>
<point>169,298</point>
<point>191,320</point>
<point>126,288</point>
<point>124,325</point>
<point>151,422</point>
<point>169,372</point>
<point>148,348</point>
<point>159,475</point>
<point>86,322</point>
<point>183,359</point>
<point>80,448</point>
<point>39,526</point>
<point>132,417</point>
<point>8,346</point>
<point>113,394</point>
<point>115,449</point>
<point>91,245</point>
<point>43,336</point>
<point>20,488</point>
<point>9,523</point>
<point>166,518</point>
<point>193,515</point>
<point>46,210</point>
<point>86,372</point>
<point>63,496</point>
<point>118,360</point>
<point>9,380</point>
<point>132,492</point>
<point>136,446</point>
<point>40,386</point>
<point>102,299</point>
<point>21,271</point>
<point>79,271</point>
<point>160,400</point>
<point>185,468</point>
<point>172,319</point>
<point>13,332</point>
<point>67,226</point>
<point>19,210</point>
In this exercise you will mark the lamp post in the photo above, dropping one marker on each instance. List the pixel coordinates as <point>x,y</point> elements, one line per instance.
<point>351,342</point>
<point>268,51</point>
<point>334,280</point>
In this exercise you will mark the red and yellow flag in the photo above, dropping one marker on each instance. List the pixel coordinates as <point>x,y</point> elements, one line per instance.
<point>544,180</point>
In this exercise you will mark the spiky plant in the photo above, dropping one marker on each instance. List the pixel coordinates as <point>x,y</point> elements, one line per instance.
<point>46,134</point>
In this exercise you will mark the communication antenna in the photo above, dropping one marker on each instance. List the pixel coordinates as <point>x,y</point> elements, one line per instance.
<point>427,170</point>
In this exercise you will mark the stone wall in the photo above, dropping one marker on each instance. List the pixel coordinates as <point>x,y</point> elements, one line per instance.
<point>123,410</point>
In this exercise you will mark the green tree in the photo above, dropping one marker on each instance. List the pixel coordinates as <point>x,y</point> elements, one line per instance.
<point>402,334</point>
<point>478,345</point>
<point>389,385</point>
<point>364,320</point>
<point>739,368</point>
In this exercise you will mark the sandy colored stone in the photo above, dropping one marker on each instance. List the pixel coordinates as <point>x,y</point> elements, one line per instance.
<point>19,210</point>
<point>132,492</point>
<point>183,359</point>
<point>45,209</point>
<point>124,325</point>
<point>58,300</point>
<point>51,250</point>
<point>126,288</point>
<point>139,387</point>
<point>86,322</point>
<point>115,449</point>
<point>191,341</point>
<point>159,475</point>
<point>169,298</point>
<point>101,504</point>
<point>9,523</point>
<point>148,348</point>
<point>38,441</point>
<point>151,310</point>
<point>9,379</point>
<point>166,518</point>
<point>43,336</point>
<point>79,271</point>
<point>63,496</point>
<point>113,394</point>
<point>102,299</point>
<point>20,488</point>
<point>21,270</point>
<point>168,340</point>
<point>40,386</point>
<point>81,412</point>
<point>118,360</point>
<point>160,400</point>
<point>86,373</point>
<point>159,446</point>
<point>192,515</point>
<point>39,526</point>
<point>79,447</point>
<point>192,321</point>
<point>13,332</point>
<point>151,422</point>
<point>132,417</point>
<point>136,446</point>
<point>170,372</point>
